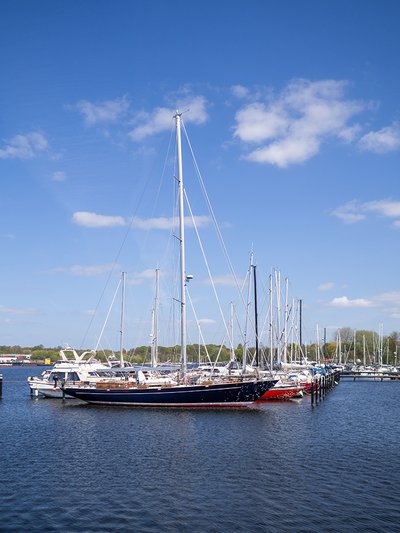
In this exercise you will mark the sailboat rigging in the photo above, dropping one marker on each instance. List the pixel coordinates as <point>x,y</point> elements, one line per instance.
<point>229,392</point>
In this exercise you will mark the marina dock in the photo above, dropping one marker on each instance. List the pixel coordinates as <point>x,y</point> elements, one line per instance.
<point>322,385</point>
<point>369,375</point>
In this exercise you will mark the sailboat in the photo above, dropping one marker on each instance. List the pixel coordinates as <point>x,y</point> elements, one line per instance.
<point>281,390</point>
<point>234,392</point>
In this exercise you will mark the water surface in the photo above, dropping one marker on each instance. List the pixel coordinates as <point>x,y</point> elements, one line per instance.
<point>283,467</point>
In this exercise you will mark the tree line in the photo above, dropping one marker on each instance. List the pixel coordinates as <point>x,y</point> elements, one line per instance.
<point>368,345</point>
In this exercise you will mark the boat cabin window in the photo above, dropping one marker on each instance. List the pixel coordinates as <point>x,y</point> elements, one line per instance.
<point>73,376</point>
<point>57,375</point>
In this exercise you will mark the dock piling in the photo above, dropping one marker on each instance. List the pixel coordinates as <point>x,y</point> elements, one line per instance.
<point>322,385</point>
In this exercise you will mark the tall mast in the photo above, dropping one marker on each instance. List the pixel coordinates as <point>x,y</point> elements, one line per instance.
<point>245,335</point>
<point>293,327</point>
<point>301,329</point>
<point>354,347</point>
<point>278,315</point>
<point>256,314</point>
<point>364,359</point>
<point>154,344</point>
<point>285,338</point>
<point>271,332</point>
<point>232,350</point>
<point>121,352</point>
<point>318,347</point>
<point>182,243</point>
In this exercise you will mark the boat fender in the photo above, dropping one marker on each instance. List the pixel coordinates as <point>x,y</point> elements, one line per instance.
<point>141,378</point>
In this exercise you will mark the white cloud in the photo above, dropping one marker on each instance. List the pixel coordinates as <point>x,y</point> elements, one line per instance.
<point>349,134</point>
<point>89,271</point>
<point>24,146</point>
<point>288,151</point>
<point>239,91</point>
<point>386,208</point>
<point>16,311</point>
<point>207,321</point>
<point>59,175</point>
<point>344,301</point>
<point>224,280</point>
<point>326,286</point>
<point>93,220</point>
<point>292,126</point>
<point>382,141</point>
<point>387,302</point>
<point>103,112</point>
<point>137,278</point>
<point>258,122</point>
<point>194,109</point>
<point>392,297</point>
<point>349,213</point>
<point>353,211</point>
<point>166,223</point>
<point>161,118</point>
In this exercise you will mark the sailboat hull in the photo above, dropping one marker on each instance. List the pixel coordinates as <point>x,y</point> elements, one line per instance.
<point>237,394</point>
<point>284,392</point>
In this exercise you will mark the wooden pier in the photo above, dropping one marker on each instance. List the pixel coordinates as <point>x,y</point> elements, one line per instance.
<point>321,385</point>
<point>370,375</point>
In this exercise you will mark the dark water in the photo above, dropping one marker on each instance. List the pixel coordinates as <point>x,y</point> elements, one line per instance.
<point>285,467</point>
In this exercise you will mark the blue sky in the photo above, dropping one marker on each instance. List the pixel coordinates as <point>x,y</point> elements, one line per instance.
<point>293,114</point>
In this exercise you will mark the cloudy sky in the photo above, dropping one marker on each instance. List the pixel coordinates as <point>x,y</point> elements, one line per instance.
<point>292,114</point>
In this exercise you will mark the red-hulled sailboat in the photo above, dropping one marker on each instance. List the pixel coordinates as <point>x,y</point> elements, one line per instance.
<point>283,391</point>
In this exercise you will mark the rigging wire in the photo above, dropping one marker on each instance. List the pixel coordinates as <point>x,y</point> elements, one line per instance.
<point>206,261</point>
<point>108,314</point>
<point>208,202</point>
<point>198,324</point>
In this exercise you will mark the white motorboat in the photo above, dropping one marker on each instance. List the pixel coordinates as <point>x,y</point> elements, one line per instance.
<point>72,368</point>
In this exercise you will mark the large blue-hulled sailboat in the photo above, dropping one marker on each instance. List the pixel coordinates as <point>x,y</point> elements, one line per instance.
<point>234,392</point>
<point>214,394</point>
